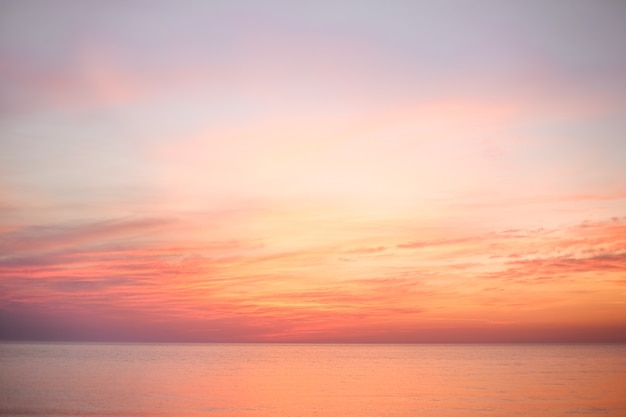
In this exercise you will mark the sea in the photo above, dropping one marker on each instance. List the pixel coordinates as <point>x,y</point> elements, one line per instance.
<point>306,380</point>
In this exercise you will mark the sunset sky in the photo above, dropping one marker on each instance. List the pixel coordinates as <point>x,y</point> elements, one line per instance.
<point>323,171</point>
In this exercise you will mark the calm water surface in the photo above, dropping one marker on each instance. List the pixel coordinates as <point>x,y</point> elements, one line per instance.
<point>312,380</point>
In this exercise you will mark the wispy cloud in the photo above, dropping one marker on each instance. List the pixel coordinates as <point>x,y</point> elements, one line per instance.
<point>38,238</point>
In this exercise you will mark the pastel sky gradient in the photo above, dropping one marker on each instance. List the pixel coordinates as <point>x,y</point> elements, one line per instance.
<point>294,171</point>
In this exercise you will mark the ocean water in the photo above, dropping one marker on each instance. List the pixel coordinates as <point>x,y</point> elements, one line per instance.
<point>280,380</point>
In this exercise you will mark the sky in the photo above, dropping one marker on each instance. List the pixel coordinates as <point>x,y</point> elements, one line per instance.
<point>313,171</point>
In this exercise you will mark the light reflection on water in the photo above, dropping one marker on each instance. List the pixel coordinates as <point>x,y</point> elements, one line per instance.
<point>311,380</point>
